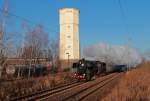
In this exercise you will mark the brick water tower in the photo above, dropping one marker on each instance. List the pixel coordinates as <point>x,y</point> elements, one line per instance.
<point>69,48</point>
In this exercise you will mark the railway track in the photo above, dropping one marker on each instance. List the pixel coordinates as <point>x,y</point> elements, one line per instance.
<point>75,91</point>
<point>80,92</point>
<point>44,93</point>
<point>86,93</point>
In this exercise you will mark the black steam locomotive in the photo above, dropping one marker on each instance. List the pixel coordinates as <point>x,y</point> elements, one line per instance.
<point>86,69</point>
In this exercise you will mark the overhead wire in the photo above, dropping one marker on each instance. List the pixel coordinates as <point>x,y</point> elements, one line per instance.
<point>124,20</point>
<point>123,15</point>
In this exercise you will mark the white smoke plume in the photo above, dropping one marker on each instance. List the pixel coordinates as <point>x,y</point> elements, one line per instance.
<point>146,55</point>
<point>113,54</point>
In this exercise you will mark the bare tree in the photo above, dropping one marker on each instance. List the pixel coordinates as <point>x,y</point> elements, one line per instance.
<point>2,48</point>
<point>53,52</point>
<point>3,39</point>
<point>36,41</point>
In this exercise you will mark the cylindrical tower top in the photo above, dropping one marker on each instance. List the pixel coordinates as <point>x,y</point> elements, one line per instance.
<point>69,15</point>
<point>64,9</point>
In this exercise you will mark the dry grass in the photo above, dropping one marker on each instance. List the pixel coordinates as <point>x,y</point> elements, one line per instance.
<point>134,86</point>
<point>27,86</point>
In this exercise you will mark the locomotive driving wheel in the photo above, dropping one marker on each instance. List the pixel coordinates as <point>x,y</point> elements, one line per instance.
<point>88,75</point>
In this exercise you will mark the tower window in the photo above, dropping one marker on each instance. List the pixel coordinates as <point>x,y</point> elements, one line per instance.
<point>68,26</point>
<point>68,36</point>
<point>69,46</point>
<point>69,11</point>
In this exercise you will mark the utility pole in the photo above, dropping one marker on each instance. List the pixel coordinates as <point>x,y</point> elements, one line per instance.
<point>124,18</point>
<point>129,45</point>
<point>2,32</point>
<point>4,15</point>
<point>68,58</point>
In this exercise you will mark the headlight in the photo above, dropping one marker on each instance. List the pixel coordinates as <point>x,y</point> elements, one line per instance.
<point>82,64</point>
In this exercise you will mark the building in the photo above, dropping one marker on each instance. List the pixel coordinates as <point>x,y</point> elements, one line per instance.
<point>22,61</point>
<point>69,48</point>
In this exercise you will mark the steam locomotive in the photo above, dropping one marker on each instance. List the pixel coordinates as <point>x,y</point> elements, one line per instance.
<point>86,69</point>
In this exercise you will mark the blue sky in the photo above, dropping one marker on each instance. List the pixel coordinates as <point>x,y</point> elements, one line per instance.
<point>100,20</point>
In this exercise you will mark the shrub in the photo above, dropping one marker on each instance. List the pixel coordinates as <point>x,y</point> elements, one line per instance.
<point>66,70</point>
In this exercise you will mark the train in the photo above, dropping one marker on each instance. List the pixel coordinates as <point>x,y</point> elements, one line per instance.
<point>86,69</point>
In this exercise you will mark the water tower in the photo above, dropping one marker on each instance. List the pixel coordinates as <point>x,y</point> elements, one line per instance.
<point>69,48</point>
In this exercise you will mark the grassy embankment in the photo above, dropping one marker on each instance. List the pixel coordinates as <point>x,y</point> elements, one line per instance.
<point>27,86</point>
<point>134,86</point>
